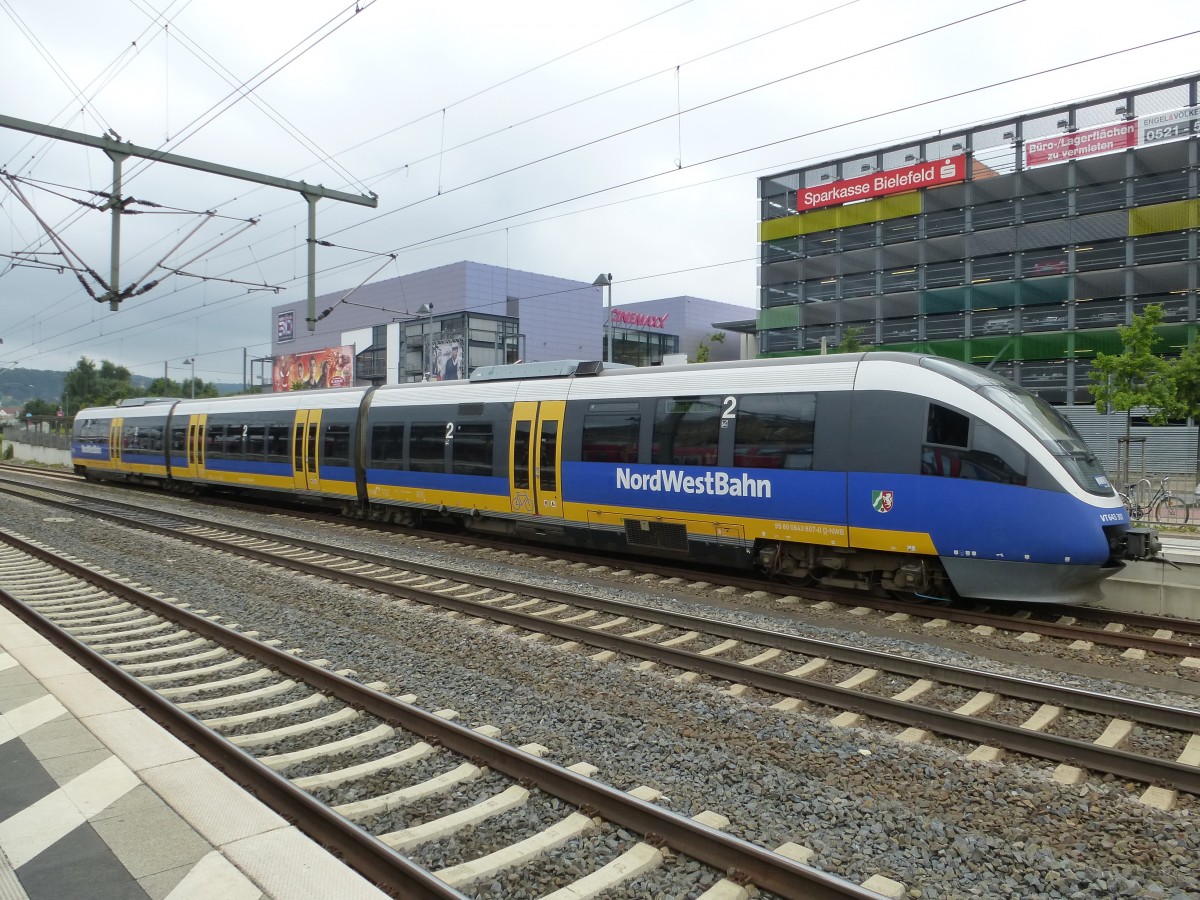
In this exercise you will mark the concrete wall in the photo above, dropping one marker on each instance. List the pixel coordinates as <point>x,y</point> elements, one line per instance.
<point>51,456</point>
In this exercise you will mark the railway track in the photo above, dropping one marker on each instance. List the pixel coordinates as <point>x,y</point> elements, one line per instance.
<point>1151,744</point>
<point>263,715</point>
<point>1081,629</point>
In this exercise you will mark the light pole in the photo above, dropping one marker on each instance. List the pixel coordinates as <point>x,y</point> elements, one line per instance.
<point>605,281</point>
<point>192,363</point>
<point>427,363</point>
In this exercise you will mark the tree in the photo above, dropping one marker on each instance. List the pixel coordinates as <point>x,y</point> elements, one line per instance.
<point>87,385</point>
<point>39,408</point>
<point>1136,377</point>
<point>852,340</point>
<point>704,349</point>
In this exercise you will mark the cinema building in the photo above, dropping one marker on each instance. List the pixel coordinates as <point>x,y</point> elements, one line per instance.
<point>1018,245</point>
<point>445,322</point>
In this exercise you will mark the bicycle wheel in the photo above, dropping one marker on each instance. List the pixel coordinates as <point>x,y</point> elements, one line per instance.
<point>1170,511</point>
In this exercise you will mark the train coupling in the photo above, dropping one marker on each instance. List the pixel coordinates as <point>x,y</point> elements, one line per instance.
<point>1141,543</point>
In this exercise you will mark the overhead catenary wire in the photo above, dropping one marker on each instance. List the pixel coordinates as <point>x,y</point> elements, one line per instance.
<point>533,211</point>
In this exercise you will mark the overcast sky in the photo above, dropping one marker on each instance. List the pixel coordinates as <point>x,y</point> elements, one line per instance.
<point>564,138</point>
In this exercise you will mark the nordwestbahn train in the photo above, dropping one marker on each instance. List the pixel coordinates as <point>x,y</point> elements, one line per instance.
<point>896,472</point>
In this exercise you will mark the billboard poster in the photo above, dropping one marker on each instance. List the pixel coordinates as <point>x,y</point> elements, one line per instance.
<point>327,368</point>
<point>285,327</point>
<point>447,363</point>
<point>880,184</point>
<point>1090,142</point>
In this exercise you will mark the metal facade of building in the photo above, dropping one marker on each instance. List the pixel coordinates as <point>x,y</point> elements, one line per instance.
<point>1018,245</point>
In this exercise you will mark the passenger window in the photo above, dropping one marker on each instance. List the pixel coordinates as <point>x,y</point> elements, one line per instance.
<point>686,431</point>
<point>471,453</point>
<point>610,432</point>
<point>775,431</point>
<point>427,448</point>
<point>387,446</point>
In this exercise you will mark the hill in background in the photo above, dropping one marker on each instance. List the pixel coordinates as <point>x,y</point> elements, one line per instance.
<point>19,386</point>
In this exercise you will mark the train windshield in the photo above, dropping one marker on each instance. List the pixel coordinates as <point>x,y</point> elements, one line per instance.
<point>1056,434</point>
<point>1043,420</point>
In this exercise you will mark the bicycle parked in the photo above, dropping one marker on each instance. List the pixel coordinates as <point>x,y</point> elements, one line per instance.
<point>1162,506</point>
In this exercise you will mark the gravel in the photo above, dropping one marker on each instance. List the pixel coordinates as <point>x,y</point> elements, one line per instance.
<point>922,814</point>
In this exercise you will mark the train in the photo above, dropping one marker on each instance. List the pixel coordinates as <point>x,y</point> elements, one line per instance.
<point>904,474</point>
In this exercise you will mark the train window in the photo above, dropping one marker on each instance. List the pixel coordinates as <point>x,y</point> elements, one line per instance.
<point>686,431</point>
<point>179,439</point>
<point>548,457</point>
<point>946,426</point>
<point>427,448</point>
<point>335,450</point>
<point>471,450</point>
<point>521,456</point>
<point>610,432</point>
<point>214,442</point>
<point>256,441</point>
<point>277,443</point>
<point>990,455</point>
<point>775,431</point>
<point>387,446</point>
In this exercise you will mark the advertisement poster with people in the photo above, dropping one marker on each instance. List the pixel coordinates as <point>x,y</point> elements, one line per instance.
<point>327,368</point>
<point>448,363</point>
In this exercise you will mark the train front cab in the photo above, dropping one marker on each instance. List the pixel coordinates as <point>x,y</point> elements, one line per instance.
<point>535,467</point>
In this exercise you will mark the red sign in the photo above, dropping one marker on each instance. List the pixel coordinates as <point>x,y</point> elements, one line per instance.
<point>880,184</point>
<point>620,317</point>
<point>1062,147</point>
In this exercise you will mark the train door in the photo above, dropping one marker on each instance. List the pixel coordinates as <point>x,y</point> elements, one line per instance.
<point>195,446</point>
<point>114,442</point>
<point>535,455</point>
<point>306,431</point>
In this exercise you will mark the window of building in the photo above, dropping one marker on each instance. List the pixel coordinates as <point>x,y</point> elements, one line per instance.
<point>820,289</point>
<point>781,250</point>
<point>1045,261</point>
<point>952,272</point>
<point>945,221</point>
<point>779,340</point>
<point>1100,255</point>
<point>993,215</point>
<point>775,431</point>
<point>1160,188</point>
<point>1107,313</point>
<point>472,450</point>
<point>945,326</point>
<point>1036,207</point>
<point>858,236</point>
<point>820,242</point>
<point>1151,248</point>
<point>610,432</point>
<point>686,431</point>
<point>895,231</point>
<point>900,330</point>
<point>859,284</point>
<point>904,279</point>
<point>1090,198</point>
<point>785,294</point>
<point>992,268</point>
